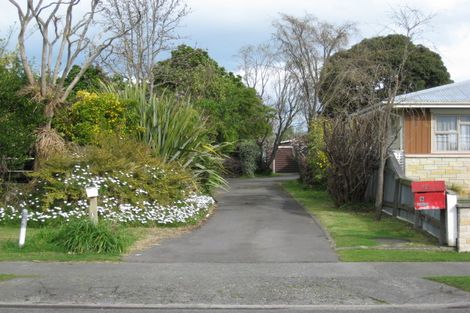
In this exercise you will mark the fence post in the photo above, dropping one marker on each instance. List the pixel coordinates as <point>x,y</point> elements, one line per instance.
<point>396,197</point>
<point>442,227</point>
<point>417,223</point>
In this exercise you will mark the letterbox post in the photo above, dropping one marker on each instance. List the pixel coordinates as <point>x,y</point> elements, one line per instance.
<point>92,194</point>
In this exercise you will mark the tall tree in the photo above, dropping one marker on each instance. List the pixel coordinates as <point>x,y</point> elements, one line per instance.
<point>256,65</point>
<point>66,39</point>
<point>372,77</point>
<point>307,44</point>
<point>352,76</point>
<point>152,26</point>
<point>264,69</point>
<point>234,111</point>
<point>286,101</point>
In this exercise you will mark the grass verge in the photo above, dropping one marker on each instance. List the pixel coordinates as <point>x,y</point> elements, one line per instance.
<point>460,282</point>
<point>39,248</point>
<point>4,277</point>
<point>358,237</point>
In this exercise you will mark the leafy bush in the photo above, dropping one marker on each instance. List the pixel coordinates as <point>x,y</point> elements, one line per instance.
<point>134,187</point>
<point>19,117</point>
<point>249,154</point>
<point>311,156</point>
<point>82,236</point>
<point>176,132</point>
<point>234,112</point>
<point>97,114</point>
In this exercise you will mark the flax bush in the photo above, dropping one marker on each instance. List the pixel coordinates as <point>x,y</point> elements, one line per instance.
<point>177,132</point>
<point>82,236</point>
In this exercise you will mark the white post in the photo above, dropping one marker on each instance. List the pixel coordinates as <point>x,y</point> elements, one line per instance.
<point>24,222</point>
<point>274,166</point>
<point>452,220</point>
<point>92,194</point>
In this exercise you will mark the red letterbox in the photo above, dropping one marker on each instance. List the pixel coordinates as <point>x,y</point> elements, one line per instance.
<point>429,195</point>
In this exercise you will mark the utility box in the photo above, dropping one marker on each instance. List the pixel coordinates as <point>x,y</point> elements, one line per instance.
<point>429,195</point>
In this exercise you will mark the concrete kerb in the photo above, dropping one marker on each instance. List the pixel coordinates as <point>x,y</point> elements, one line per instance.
<point>202,306</point>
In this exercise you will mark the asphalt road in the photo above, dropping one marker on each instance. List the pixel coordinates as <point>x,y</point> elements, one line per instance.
<point>323,309</point>
<point>256,222</point>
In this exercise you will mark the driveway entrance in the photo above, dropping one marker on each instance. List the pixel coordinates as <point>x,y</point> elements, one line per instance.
<point>255,222</point>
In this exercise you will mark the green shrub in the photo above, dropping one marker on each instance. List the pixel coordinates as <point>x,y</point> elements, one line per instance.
<point>127,162</point>
<point>311,156</point>
<point>19,117</point>
<point>97,114</point>
<point>135,187</point>
<point>249,155</point>
<point>82,236</point>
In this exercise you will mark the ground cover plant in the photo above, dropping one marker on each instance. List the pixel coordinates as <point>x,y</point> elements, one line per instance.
<point>135,188</point>
<point>358,236</point>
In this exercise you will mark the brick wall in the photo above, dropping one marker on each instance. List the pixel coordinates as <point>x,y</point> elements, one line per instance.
<point>464,230</point>
<point>454,170</point>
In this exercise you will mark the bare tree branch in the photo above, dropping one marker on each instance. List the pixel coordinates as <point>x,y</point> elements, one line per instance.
<point>307,44</point>
<point>153,25</point>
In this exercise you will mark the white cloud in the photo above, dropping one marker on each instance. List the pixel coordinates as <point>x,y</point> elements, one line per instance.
<point>223,27</point>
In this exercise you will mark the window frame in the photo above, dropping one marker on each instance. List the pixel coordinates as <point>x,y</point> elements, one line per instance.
<point>449,112</point>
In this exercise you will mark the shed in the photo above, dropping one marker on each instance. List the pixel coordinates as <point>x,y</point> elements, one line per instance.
<point>285,162</point>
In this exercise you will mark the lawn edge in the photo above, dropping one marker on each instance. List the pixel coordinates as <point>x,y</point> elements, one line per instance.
<point>315,219</point>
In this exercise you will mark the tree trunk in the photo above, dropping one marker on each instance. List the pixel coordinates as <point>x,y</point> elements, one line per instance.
<point>379,194</point>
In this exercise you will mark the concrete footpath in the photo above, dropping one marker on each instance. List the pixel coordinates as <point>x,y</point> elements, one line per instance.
<point>232,283</point>
<point>260,251</point>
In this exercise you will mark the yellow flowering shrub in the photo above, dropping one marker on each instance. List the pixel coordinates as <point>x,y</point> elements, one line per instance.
<point>96,114</point>
<point>313,161</point>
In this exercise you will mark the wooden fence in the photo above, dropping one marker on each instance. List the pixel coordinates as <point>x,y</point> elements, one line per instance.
<point>399,202</point>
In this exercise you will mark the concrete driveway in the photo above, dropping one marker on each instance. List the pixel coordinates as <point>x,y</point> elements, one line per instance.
<point>256,222</point>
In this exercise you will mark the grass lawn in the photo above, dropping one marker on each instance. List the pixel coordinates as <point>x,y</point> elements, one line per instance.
<point>37,247</point>
<point>359,237</point>
<point>461,282</point>
<point>6,277</point>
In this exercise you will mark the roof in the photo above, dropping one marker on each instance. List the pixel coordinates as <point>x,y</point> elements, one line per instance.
<point>455,95</point>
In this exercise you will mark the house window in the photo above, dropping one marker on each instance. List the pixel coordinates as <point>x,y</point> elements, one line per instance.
<point>452,133</point>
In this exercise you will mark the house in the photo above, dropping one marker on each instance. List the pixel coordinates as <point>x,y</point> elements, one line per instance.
<point>435,134</point>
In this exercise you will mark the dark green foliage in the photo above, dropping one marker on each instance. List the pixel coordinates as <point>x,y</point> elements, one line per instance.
<point>81,236</point>
<point>91,80</point>
<point>19,116</point>
<point>95,114</point>
<point>234,112</point>
<point>249,156</point>
<point>365,73</point>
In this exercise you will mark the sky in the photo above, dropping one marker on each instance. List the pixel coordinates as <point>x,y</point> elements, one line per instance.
<point>224,26</point>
